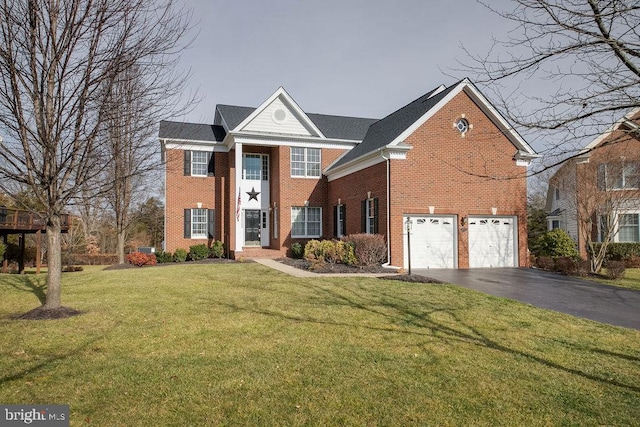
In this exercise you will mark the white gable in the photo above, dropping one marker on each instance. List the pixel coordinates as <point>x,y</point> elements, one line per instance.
<point>279,115</point>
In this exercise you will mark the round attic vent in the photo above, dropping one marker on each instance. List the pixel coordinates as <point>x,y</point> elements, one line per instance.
<point>279,115</point>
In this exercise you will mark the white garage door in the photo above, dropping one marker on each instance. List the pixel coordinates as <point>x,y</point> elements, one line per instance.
<point>492,242</point>
<point>433,242</point>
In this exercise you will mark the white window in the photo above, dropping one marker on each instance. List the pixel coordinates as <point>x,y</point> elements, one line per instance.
<point>305,162</point>
<point>628,228</point>
<point>555,224</point>
<point>306,222</point>
<point>618,176</point>
<point>199,163</point>
<point>255,166</point>
<point>371,219</point>
<point>198,223</point>
<point>340,213</point>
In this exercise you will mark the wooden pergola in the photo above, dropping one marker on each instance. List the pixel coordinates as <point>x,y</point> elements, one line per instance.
<point>14,221</point>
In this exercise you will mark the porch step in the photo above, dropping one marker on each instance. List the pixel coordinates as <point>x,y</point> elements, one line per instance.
<point>253,253</point>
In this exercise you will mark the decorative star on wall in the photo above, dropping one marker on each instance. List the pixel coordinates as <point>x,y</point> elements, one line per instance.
<point>253,194</point>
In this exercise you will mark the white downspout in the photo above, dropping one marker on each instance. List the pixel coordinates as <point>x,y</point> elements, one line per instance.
<point>388,161</point>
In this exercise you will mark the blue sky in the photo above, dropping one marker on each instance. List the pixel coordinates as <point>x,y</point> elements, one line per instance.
<point>362,58</point>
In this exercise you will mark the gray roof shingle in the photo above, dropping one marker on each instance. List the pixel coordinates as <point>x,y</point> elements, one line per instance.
<point>386,130</point>
<point>338,127</point>
<point>191,131</point>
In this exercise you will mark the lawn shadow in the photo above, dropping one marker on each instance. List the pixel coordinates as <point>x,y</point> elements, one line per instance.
<point>49,360</point>
<point>404,312</point>
<point>29,283</point>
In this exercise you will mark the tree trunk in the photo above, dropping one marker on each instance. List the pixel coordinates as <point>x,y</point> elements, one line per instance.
<point>121,247</point>
<point>54,263</point>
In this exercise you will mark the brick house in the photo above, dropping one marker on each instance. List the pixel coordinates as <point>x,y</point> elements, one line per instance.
<point>599,189</point>
<point>262,178</point>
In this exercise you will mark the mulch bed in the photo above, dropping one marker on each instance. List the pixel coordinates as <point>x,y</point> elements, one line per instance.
<point>203,261</point>
<point>42,313</point>
<point>328,268</point>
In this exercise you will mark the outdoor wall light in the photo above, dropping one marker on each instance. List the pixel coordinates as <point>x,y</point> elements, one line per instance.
<point>463,221</point>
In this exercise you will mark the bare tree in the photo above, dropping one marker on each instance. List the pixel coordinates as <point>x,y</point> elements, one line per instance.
<point>587,51</point>
<point>598,197</point>
<point>56,59</point>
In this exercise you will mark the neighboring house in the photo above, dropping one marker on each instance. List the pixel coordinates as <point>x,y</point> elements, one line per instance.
<point>599,190</point>
<point>266,177</point>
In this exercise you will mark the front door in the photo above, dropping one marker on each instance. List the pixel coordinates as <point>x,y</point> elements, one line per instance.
<point>252,227</point>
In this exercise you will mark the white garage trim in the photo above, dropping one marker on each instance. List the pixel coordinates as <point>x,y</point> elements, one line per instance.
<point>493,241</point>
<point>434,241</point>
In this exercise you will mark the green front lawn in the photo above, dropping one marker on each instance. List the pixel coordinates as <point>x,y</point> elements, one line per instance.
<point>630,280</point>
<point>240,344</point>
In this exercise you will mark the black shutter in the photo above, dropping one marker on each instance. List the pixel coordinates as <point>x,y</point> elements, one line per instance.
<point>210,164</point>
<point>187,162</point>
<point>375,216</point>
<point>335,220</point>
<point>187,223</point>
<point>344,220</point>
<point>363,215</point>
<point>211,223</point>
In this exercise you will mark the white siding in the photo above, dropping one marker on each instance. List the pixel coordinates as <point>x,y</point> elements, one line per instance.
<point>267,121</point>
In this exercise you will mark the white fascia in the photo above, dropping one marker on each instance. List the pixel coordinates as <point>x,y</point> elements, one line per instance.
<point>388,152</point>
<point>286,140</point>
<point>187,144</point>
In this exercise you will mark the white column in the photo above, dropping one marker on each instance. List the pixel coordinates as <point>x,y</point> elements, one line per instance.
<point>239,218</point>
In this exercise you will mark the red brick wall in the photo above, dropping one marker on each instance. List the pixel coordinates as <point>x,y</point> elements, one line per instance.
<point>353,189</point>
<point>293,192</point>
<point>459,176</point>
<point>184,192</point>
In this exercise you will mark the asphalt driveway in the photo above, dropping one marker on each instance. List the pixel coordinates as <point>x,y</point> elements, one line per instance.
<point>581,298</point>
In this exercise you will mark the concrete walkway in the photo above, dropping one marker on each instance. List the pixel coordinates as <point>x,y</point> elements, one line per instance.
<point>296,272</point>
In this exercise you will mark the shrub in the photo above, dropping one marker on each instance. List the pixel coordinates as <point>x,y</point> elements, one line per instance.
<point>139,259</point>
<point>313,251</point>
<point>632,261</point>
<point>615,269</point>
<point>297,251</point>
<point>345,252</point>
<point>566,265</point>
<point>198,252</point>
<point>164,257</point>
<point>557,243</point>
<point>619,251</point>
<point>180,255</point>
<point>3,248</point>
<point>545,262</point>
<point>217,249</point>
<point>369,249</point>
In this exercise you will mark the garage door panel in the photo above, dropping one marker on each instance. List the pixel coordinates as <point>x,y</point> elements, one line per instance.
<point>492,242</point>
<point>432,243</point>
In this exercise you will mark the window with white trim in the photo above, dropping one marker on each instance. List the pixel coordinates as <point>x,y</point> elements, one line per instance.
<point>628,228</point>
<point>305,162</point>
<point>199,223</point>
<point>306,222</point>
<point>371,220</point>
<point>199,163</point>
<point>340,218</point>
<point>612,176</point>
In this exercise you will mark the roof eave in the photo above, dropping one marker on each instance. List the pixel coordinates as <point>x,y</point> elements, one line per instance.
<point>388,152</point>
